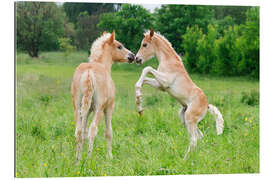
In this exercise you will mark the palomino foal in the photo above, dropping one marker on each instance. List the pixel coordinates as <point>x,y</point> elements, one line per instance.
<point>172,77</point>
<point>93,90</point>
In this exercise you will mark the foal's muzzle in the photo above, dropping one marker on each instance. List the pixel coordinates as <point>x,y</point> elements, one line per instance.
<point>131,57</point>
<point>138,60</point>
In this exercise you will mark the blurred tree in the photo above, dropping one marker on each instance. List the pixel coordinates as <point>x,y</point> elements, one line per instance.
<point>190,43</point>
<point>228,53</point>
<point>69,31</point>
<point>173,20</point>
<point>237,13</point>
<point>250,44</point>
<point>85,16</point>
<point>38,26</point>
<point>129,24</point>
<point>206,48</point>
<point>74,9</point>
<point>65,46</point>
<point>224,24</point>
<point>86,31</point>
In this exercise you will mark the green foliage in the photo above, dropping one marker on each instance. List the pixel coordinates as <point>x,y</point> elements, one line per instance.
<point>86,31</point>
<point>129,24</point>
<point>236,13</point>
<point>250,44</point>
<point>250,98</point>
<point>206,47</point>
<point>228,55</point>
<point>38,26</point>
<point>74,9</point>
<point>173,20</point>
<point>190,41</point>
<point>226,49</point>
<point>65,46</point>
<point>224,24</point>
<point>85,16</point>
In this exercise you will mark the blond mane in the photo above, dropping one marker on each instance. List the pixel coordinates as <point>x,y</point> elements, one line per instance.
<point>96,48</point>
<point>166,42</point>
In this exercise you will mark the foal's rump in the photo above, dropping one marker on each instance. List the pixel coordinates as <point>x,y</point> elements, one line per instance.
<point>82,87</point>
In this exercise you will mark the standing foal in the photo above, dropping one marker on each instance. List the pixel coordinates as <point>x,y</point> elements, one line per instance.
<point>172,77</point>
<point>93,89</point>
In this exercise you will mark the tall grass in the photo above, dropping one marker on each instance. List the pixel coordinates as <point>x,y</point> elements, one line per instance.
<point>153,144</point>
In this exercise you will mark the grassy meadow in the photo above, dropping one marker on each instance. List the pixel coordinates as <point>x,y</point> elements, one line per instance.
<point>153,144</point>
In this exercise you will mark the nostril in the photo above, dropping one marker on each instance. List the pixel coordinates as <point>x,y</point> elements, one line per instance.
<point>131,57</point>
<point>138,60</point>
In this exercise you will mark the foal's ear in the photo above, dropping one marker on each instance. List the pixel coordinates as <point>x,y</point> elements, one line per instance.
<point>111,38</point>
<point>151,33</point>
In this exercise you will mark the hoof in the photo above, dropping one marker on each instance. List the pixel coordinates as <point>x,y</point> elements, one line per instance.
<point>140,112</point>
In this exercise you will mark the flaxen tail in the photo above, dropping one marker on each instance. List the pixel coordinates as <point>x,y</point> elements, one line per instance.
<point>219,119</point>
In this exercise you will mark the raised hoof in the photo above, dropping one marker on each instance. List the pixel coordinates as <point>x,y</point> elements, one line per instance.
<point>140,112</point>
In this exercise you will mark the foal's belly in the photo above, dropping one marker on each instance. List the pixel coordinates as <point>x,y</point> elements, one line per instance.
<point>180,95</point>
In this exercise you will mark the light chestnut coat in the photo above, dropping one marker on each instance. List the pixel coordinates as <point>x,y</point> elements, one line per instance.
<point>172,77</point>
<point>93,90</point>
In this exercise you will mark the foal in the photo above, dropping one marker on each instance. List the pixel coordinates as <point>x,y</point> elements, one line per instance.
<point>172,77</point>
<point>93,90</point>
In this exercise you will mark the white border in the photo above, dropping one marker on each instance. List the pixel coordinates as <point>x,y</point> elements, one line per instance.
<point>7,87</point>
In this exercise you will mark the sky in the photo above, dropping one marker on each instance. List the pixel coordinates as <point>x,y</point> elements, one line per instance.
<point>151,7</point>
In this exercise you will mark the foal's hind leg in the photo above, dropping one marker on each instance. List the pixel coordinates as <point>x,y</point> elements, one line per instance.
<point>194,113</point>
<point>182,114</point>
<point>108,132</point>
<point>93,129</point>
<point>192,131</point>
<point>82,125</point>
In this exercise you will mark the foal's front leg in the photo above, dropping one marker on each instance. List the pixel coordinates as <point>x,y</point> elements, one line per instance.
<point>160,82</point>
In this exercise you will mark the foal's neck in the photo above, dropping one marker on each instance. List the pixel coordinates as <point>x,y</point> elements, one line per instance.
<point>106,60</point>
<point>165,53</point>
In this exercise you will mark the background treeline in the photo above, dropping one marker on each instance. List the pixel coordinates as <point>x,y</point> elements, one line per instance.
<point>221,40</point>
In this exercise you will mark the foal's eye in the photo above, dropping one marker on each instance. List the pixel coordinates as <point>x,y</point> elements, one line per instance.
<point>119,47</point>
<point>144,44</point>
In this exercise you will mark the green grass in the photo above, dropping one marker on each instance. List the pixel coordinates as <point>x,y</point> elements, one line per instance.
<point>153,144</point>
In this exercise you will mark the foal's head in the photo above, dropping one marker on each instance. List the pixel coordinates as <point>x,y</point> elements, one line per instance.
<point>146,50</point>
<point>118,51</point>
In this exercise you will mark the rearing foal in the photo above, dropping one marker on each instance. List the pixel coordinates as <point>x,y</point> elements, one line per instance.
<point>172,77</point>
<point>93,89</point>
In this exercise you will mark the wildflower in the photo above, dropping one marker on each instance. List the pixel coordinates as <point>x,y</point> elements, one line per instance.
<point>16,174</point>
<point>78,172</point>
<point>105,174</point>
<point>45,165</point>
<point>245,134</point>
<point>246,119</point>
